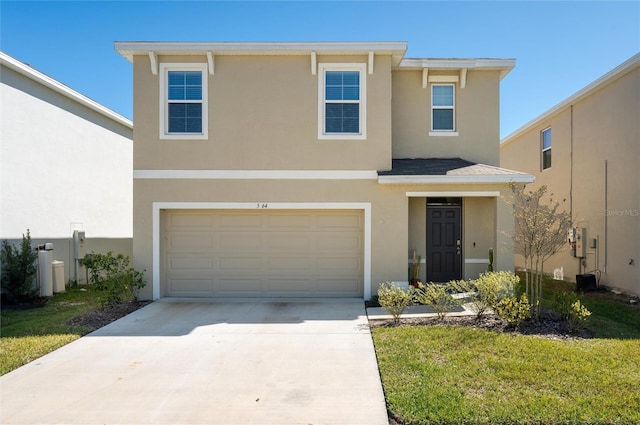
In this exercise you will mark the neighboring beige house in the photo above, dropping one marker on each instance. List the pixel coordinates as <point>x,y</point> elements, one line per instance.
<point>586,150</point>
<point>313,169</point>
<point>65,165</point>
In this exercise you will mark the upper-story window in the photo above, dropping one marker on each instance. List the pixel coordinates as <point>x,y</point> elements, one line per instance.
<point>342,109</point>
<point>545,142</point>
<point>183,109</point>
<point>442,108</point>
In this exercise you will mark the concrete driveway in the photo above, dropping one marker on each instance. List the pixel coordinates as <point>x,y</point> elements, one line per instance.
<point>188,361</point>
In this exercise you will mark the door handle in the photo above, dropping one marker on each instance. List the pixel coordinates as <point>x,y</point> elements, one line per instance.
<point>458,247</point>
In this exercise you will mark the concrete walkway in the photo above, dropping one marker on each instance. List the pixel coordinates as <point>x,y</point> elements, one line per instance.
<point>180,361</point>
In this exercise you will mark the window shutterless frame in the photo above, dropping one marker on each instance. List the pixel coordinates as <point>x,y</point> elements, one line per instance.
<point>183,101</point>
<point>545,144</point>
<point>342,112</point>
<point>443,108</point>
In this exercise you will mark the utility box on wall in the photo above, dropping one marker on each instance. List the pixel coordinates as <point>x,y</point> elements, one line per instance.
<point>577,237</point>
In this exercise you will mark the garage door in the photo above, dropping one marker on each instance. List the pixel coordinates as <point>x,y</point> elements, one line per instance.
<point>263,253</point>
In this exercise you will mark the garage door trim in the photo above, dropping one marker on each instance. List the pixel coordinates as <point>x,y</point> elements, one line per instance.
<point>158,206</point>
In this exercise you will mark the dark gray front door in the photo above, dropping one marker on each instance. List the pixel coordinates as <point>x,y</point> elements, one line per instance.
<point>444,244</point>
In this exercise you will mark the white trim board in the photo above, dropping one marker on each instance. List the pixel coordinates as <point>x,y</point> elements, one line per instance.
<point>262,204</point>
<point>257,174</point>
<point>461,194</point>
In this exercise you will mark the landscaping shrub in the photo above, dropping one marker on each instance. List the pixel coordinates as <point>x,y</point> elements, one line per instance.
<point>393,299</point>
<point>438,297</point>
<point>514,310</point>
<point>115,280</point>
<point>578,316</point>
<point>488,290</point>
<point>18,270</point>
<point>562,303</point>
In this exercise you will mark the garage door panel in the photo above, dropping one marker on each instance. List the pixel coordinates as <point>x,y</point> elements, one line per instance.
<point>289,220</point>
<point>191,287</point>
<point>245,262</point>
<point>340,264</point>
<point>191,263</point>
<point>288,241</point>
<point>339,241</point>
<point>240,241</point>
<point>191,220</point>
<point>339,221</point>
<point>240,287</point>
<point>290,263</point>
<point>190,241</point>
<point>240,221</point>
<point>263,253</point>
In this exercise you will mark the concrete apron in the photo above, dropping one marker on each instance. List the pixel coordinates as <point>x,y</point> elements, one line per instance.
<point>188,361</point>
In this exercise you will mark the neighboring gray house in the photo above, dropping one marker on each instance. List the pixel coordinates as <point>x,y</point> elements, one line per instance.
<point>65,165</point>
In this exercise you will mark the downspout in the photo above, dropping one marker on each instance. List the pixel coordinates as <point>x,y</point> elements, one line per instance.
<point>606,213</point>
<point>571,170</point>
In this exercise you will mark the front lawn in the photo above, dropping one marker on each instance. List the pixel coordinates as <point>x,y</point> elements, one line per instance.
<point>449,374</point>
<point>29,332</point>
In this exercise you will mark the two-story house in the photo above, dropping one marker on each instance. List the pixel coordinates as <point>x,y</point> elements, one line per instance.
<point>586,150</point>
<point>313,169</point>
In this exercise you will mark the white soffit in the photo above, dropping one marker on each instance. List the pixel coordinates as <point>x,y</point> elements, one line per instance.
<point>396,49</point>
<point>458,65</point>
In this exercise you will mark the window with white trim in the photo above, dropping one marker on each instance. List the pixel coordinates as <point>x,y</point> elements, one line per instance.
<point>183,108</point>
<point>442,107</point>
<point>342,108</point>
<point>545,143</point>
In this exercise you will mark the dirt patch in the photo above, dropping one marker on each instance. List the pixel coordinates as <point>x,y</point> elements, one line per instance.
<point>96,319</point>
<point>549,326</point>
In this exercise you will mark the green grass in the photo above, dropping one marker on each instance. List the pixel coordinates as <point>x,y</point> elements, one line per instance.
<point>460,375</point>
<point>27,334</point>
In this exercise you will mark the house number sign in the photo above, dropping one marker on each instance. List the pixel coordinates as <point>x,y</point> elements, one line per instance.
<point>262,206</point>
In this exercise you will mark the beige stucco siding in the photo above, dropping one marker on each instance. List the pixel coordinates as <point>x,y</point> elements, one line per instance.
<point>263,114</point>
<point>388,212</point>
<point>476,115</point>
<point>601,188</point>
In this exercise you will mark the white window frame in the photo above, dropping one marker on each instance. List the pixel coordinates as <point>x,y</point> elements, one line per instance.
<point>440,132</point>
<point>362,69</point>
<point>164,101</point>
<point>543,149</point>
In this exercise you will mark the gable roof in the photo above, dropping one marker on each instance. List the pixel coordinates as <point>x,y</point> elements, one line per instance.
<point>448,170</point>
<point>618,72</point>
<point>40,78</point>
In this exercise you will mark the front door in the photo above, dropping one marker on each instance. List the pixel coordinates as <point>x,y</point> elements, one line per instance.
<point>444,243</point>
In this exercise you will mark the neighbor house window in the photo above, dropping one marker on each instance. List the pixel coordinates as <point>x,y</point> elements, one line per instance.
<point>442,107</point>
<point>183,114</point>
<point>342,109</point>
<point>545,141</point>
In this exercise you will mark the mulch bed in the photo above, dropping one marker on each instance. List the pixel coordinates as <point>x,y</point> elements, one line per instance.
<point>549,326</point>
<point>98,318</point>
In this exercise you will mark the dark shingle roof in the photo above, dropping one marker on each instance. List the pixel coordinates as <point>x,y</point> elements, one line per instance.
<point>424,166</point>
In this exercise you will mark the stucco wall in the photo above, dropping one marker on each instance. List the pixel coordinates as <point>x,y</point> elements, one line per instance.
<point>476,117</point>
<point>263,114</point>
<point>63,166</point>
<point>602,189</point>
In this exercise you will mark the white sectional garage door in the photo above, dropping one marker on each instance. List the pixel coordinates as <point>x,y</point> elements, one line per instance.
<point>263,253</point>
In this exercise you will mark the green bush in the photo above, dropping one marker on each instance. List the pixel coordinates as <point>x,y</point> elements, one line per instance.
<point>115,280</point>
<point>438,297</point>
<point>578,316</point>
<point>393,299</point>
<point>18,270</point>
<point>562,303</point>
<point>514,310</point>
<point>488,290</point>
